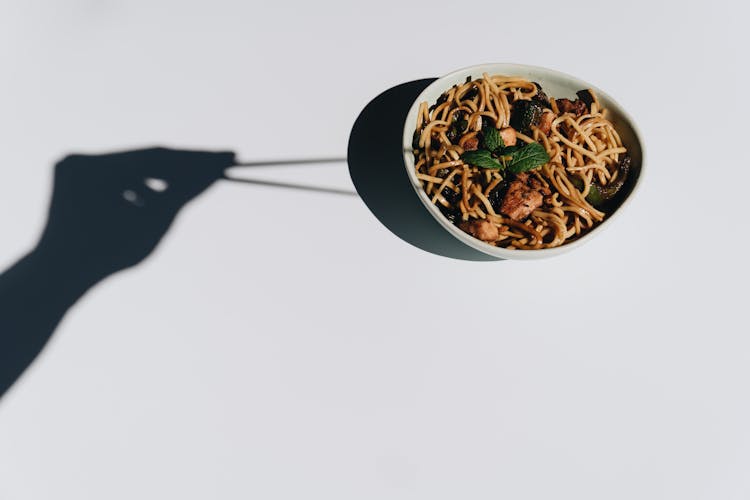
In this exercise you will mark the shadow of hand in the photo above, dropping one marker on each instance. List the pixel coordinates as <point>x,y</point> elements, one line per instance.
<point>109,212</point>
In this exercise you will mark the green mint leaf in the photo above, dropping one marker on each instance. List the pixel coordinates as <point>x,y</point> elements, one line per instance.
<point>491,139</point>
<point>509,150</point>
<point>528,158</point>
<point>500,142</point>
<point>481,158</point>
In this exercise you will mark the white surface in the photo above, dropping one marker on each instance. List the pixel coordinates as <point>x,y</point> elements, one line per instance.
<point>555,84</point>
<point>337,362</point>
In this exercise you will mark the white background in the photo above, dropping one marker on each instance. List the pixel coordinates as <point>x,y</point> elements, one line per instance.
<point>284,345</point>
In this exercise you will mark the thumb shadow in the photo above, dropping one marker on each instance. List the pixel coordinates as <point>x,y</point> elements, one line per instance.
<point>376,167</point>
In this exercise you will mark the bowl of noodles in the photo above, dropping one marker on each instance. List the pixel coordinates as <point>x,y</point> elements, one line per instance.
<point>520,162</point>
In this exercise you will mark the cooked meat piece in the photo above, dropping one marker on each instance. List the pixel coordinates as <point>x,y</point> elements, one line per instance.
<point>536,184</point>
<point>469,142</point>
<point>577,107</point>
<point>508,135</point>
<point>482,229</point>
<point>545,122</point>
<point>522,198</point>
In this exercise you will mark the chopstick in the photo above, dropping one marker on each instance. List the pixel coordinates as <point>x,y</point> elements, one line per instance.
<point>301,161</point>
<point>289,185</point>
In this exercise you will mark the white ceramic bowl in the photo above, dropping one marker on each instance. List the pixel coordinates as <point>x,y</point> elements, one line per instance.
<point>555,84</point>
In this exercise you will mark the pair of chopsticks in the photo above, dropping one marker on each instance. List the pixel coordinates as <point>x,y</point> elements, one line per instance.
<point>301,161</point>
<point>276,163</point>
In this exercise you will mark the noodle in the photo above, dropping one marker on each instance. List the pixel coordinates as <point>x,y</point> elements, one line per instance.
<point>586,162</point>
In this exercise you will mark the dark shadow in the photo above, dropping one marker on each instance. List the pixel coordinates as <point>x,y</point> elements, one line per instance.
<point>376,166</point>
<point>108,213</point>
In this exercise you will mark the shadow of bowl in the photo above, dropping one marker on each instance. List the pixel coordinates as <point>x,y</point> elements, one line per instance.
<point>376,167</point>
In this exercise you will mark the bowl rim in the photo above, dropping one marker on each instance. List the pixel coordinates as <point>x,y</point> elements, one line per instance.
<point>520,70</point>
